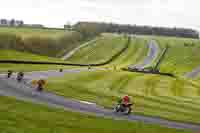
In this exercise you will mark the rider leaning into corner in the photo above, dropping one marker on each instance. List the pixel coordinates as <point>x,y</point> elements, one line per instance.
<point>124,105</point>
<point>20,76</point>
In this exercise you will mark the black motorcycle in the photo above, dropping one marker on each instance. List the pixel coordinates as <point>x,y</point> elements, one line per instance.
<point>9,74</point>
<point>123,108</point>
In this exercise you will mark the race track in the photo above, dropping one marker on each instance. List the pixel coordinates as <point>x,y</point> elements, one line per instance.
<point>152,54</point>
<point>24,92</point>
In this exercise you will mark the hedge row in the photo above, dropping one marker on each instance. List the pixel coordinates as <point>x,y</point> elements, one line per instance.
<point>41,45</point>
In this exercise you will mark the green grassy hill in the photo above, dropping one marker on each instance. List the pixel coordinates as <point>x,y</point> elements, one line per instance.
<point>28,32</point>
<point>135,53</point>
<point>183,55</point>
<point>101,51</point>
<point>22,117</point>
<point>25,56</point>
<point>152,94</point>
<point>48,42</point>
<point>35,44</point>
<point>107,46</point>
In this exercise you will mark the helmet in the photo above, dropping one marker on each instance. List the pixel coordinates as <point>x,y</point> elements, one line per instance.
<point>126,98</point>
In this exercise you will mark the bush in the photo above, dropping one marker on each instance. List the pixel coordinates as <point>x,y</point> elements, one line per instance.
<point>11,41</point>
<point>41,45</point>
<point>69,42</point>
<point>47,46</point>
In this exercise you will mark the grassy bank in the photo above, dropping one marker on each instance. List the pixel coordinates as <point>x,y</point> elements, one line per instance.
<point>48,42</point>
<point>101,51</point>
<point>22,117</point>
<point>183,55</point>
<point>135,53</point>
<point>25,56</point>
<point>153,95</point>
<point>28,32</point>
<point>28,67</point>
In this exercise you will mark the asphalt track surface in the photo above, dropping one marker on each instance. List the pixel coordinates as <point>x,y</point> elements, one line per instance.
<point>24,91</point>
<point>194,73</point>
<point>152,54</point>
<point>52,73</point>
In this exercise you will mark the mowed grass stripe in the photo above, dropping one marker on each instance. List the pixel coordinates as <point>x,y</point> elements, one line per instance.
<point>28,32</point>
<point>182,56</point>
<point>105,91</point>
<point>25,56</point>
<point>106,47</point>
<point>22,117</point>
<point>135,53</point>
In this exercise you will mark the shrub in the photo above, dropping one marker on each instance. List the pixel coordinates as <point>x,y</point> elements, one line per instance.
<point>48,46</point>
<point>11,41</point>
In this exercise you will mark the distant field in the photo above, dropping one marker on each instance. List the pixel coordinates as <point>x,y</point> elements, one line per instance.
<point>101,51</point>
<point>23,117</point>
<point>28,32</point>
<point>29,68</point>
<point>135,53</point>
<point>153,95</point>
<point>25,56</point>
<point>48,42</point>
<point>182,56</point>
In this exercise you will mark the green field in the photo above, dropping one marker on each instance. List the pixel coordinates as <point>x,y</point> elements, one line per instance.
<point>108,40</point>
<point>135,53</point>
<point>28,32</point>
<point>153,94</point>
<point>25,56</point>
<point>183,55</point>
<point>28,67</point>
<point>48,42</point>
<point>101,51</point>
<point>23,117</point>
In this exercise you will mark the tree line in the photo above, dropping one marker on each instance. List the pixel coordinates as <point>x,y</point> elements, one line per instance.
<point>94,28</point>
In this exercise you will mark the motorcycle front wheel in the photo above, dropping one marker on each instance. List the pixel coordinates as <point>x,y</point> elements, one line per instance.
<point>116,108</point>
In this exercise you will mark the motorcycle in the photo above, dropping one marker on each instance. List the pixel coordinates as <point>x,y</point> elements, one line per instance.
<point>122,108</point>
<point>20,76</point>
<point>9,74</point>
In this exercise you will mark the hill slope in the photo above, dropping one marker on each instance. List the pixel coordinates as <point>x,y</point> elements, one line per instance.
<point>152,94</point>
<point>100,51</point>
<point>48,42</point>
<point>182,57</point>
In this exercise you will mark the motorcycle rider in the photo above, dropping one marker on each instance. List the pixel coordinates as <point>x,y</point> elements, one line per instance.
<point>20,76</point>
<point>40,85</point>
<point>60,70</point>
<point>9,73</point>
<point>124,105</point>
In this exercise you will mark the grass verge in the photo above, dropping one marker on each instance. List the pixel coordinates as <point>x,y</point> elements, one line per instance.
<point>23,117</point>
<point>152,94</point>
